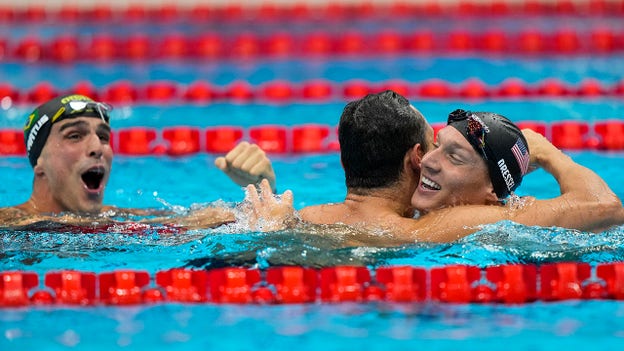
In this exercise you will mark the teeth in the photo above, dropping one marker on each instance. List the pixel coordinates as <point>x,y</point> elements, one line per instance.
<point>430,183</point>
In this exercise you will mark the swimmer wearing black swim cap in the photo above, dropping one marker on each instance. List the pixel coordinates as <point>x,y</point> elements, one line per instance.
<point>499,142</point>
<point>39,123</point>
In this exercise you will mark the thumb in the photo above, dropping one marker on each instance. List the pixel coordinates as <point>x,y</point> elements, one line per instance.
<point>221,163</point>
<point>288,198</point>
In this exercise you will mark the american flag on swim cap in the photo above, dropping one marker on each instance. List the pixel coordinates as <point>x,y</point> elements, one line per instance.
<point>522,155</point>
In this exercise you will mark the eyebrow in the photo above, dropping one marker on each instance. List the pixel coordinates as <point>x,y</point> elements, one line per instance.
<point>453,145</point>
<point>80,123</point>
<point>72,124</point>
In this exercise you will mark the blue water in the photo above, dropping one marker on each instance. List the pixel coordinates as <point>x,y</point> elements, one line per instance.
<point>179,183</point>
<point>540,326</point>
<point>449,68</point>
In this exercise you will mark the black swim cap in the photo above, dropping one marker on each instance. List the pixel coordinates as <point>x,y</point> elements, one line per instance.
<point>39,123</point>
<point>501,144</point>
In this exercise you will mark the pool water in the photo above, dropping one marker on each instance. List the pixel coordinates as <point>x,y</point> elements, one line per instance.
<point>373,326</point>
<point>179,183</point>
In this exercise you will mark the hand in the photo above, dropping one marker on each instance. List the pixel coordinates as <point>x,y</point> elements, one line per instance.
<point>539,148</point>
<point>247,164</point>
<point>266,212</point>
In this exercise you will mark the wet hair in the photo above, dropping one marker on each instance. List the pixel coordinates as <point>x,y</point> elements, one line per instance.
<point>375,133</point>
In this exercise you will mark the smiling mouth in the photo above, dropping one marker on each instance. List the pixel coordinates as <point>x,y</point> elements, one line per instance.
<point>429,184</point>
<point>93,177</point>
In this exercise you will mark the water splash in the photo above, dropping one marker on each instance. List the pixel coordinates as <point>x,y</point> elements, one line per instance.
<point>313,246</point>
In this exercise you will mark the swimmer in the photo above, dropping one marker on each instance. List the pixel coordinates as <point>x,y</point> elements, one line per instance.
<point>399,187</point>
<point>68,145</point>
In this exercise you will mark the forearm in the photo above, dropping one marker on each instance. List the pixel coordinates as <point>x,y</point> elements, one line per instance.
<point>208,217</point>
<point>575,179</point>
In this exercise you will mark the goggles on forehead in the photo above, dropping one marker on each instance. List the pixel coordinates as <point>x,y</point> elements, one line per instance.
<point>101,109</point>
<point>475,129</point>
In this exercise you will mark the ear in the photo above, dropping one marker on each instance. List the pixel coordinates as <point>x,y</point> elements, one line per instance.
<point>491,196</point>
<point>38,169</point>
<point>415,156</point>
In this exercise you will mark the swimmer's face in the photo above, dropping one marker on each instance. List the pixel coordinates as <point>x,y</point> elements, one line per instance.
<point>452,173</point>
<point>75,164</point>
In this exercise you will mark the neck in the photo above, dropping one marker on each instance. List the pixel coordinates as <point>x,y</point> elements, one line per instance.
<point>41,200</point>
<point>396,198</point>
<point>38,205</point>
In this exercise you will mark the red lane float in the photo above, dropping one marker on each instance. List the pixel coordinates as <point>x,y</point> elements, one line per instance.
<point>317,90</point>
<point>513,283</point>
<point>183,285</point>
<point>399,86</point>
<point>103,47</point>
<point>173,46</point>
<point>181,140</point>
<point>123,287</point>
<point>200,92</point>
<point>611,275</point>
<point>64,49</point>
<point>7,91</point>
<point>401,284</point>
<point>161,92</point>
<point>120,92</point>
<point>493,41</point>
<point>563,281</point>
<point>85,88</point>
<point>249,46</point>
<point>508,283</point>
<point>41,93</point>
<point>136,141</point>
<point>137,47</point>
<point>222,139</point>
<point>356,89</point>
<point>208,46</point>
<point>553,87</point>
<point>233,285</point>
<point>512,88</point>
<point>15,286</point>
<point>436,89</point>
<point>536,126</point>
<point>285,92</point>
<point>569,135</point>
<point>611,135</point>
<point>292,284</point>
<point>12,142</point>
<point>240,91</point>
<point>342,284</point>
<point>308,138</point>
<point>72,287</point>
<point>474,89</point>
<point>277,91</point>
<point>301,12</point>
<point>271,139</point>
<point>454,283</point>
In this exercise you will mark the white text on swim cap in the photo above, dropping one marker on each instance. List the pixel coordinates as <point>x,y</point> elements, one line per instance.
<point>505,173</point>
<point>35,129</point>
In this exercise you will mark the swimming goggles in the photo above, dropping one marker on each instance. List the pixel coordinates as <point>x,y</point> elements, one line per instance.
<point>476,129</point>
<point>100,109</point>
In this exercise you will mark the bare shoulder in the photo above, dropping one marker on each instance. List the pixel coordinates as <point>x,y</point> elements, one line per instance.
<point>10,216</point>
<point>323,214</point>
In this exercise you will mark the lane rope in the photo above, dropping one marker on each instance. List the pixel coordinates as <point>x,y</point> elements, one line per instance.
<point>307,138</point>
<point>510,284</point>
